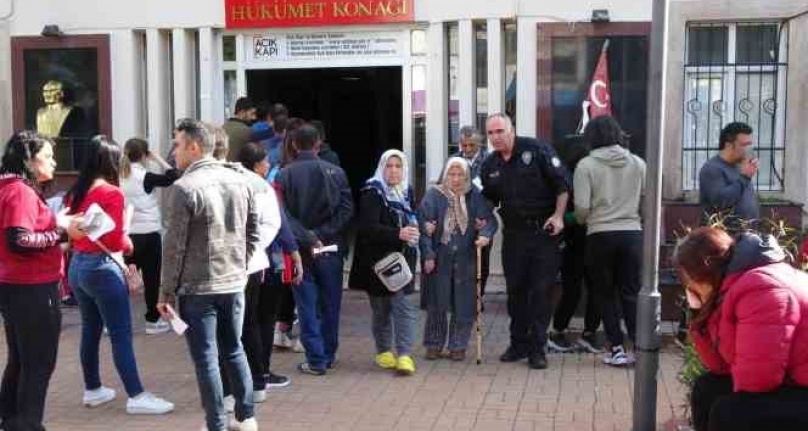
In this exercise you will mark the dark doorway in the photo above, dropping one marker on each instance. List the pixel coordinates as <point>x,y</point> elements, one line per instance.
<point>360,107</point>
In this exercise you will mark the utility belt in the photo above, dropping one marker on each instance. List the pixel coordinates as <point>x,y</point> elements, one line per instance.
<point>527,224</point>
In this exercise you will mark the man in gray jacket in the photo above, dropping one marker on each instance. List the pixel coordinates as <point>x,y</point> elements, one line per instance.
<point>725,181</point>
<point>211,234</point>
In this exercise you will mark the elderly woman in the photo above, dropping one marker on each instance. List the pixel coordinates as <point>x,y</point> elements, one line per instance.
<point>450,214</point>
<point>750,329</point>
<point>388,224</point>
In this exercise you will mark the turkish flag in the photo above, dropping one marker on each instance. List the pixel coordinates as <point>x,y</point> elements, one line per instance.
<point>599,95</point>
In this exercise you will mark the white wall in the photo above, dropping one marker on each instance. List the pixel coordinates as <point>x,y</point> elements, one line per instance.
<point>797,128</point>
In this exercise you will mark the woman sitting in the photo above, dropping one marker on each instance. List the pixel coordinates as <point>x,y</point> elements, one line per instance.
<point>750,329</point>
<point>450,213</point>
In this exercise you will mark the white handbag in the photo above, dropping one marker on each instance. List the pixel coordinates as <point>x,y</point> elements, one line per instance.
<point>393,271</point>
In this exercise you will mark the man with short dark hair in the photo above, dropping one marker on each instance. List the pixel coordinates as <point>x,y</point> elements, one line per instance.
<point>318,199</point>
<point>725,181</point>
<point>212,232</point>
<point>238,127</point>
<point>526,180</point>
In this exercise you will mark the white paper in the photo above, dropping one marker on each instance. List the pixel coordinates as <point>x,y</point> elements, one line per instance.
<point>97,223</point>
<point>327,249</point>
<point>177,324</point>
<point>477,183</point>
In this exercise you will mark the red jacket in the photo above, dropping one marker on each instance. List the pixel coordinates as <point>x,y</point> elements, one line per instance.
<point>759,333</point>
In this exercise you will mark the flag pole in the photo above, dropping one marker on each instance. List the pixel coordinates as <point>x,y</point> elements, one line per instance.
<point>649,340</point>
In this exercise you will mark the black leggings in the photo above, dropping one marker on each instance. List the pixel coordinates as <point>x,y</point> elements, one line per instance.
<point>147,258</point>
<point>614,264</point>
<point>32,322</point>
<point>715,407</point>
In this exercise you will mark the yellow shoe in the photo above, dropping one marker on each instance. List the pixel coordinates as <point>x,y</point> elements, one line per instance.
<point>386,360</point>
<point>405,366</point>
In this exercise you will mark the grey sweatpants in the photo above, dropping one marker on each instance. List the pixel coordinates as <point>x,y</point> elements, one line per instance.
<point>394,314</point>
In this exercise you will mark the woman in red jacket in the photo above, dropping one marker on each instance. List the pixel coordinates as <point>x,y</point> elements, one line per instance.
<point>750,331</point>
<point>97,279</point>
<point>30,269</point>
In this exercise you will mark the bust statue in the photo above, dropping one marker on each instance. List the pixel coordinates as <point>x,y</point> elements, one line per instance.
<point>51,118</point>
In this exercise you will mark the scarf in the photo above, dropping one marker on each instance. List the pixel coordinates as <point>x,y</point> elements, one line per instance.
<point>396,197</point>
<point>457,216</point>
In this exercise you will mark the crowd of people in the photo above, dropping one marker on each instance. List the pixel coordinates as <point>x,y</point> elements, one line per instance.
<point>249,236</point>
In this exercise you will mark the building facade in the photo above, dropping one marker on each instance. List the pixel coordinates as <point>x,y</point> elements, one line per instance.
<point>409,73</point>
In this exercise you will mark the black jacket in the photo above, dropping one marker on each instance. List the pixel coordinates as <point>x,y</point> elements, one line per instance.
<point>318,199</point>
<point>378,236</point>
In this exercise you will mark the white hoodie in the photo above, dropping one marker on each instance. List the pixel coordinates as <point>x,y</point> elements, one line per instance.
<point>146,218</point>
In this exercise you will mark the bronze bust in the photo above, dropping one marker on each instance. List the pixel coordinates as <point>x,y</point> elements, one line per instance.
<point>51,118</point>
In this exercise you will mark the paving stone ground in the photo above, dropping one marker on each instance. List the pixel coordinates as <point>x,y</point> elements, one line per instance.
<point>577,392</point>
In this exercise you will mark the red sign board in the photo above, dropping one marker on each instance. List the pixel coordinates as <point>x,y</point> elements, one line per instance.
<point>315,13</point>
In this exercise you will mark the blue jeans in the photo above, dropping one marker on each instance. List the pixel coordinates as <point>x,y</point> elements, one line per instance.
<point>100,289</point>
<point>214,329</point>
<point>318,299</point>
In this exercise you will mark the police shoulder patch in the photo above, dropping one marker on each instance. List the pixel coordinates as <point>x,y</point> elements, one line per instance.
<point>527,157</point>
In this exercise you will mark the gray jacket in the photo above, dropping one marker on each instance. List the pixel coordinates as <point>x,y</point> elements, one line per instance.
<point>212,231</point>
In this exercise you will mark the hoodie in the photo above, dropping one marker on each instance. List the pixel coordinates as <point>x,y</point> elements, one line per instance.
<point>759,333</point>
<point>607,185</point>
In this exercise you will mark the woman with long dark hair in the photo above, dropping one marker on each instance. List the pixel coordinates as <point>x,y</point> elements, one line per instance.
<point>30,270</point>
<point>750,330</point>
<point>100,287</point>
<point>608,185</point>
<point>146,226</point>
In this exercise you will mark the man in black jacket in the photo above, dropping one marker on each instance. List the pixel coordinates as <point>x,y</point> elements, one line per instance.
<point>318,199</point>
<point>527,181</point>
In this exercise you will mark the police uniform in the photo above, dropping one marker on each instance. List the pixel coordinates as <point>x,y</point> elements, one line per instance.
<point>525,189</point>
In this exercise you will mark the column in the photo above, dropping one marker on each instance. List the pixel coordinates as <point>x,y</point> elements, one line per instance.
<point>466,77</point>
<point>207,64</point>
<point>496,67</point>
<point>437,95</point>
<point>127,85</point>
<point>6,119</point>
<point>184,79</point>
<point>526,80</point>
<point>158,99</point>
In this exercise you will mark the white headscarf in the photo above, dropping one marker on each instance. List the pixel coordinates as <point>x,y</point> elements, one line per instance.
<point>457,215</point>
<point>400,192</point>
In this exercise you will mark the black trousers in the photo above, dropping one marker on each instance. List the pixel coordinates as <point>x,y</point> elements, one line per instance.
<point>286,309</point>
<point>261,300</point>
<point>270,303</point>
<point>530,260</point>
<point>614,264</point>
<point>715,407</point>
<point>33,322</point>
<point>573,276</point>
<point>486,267</point>
<point>148,257</point>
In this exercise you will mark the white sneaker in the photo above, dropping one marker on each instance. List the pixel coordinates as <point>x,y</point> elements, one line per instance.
<point>298,347</point>
<point>158,327</point>
<point>97,397</point>
<point>229,404</point>
<point>259,396</point>
<point>618,357</point>
<point>283,340</point>
<point>248,425</point>
<point>148,404</point>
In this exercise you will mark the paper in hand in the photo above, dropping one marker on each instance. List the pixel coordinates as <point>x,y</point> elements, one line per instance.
<point>327,249</point>
<point>177,324</point>
<point>97,223</point>
<point>477,183</point>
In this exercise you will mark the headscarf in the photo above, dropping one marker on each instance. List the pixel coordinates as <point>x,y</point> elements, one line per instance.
<point>398,196</point>
<point>457,216</point>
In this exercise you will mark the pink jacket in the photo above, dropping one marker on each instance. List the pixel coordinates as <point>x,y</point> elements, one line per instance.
<point>759,333</point>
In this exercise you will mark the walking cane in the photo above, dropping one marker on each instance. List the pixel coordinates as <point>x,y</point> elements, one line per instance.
<point>479,306</point>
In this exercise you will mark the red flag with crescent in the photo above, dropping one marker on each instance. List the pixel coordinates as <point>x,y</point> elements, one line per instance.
<point>599,95</point>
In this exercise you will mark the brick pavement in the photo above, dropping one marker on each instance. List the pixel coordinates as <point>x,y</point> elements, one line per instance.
<point>576,393</point>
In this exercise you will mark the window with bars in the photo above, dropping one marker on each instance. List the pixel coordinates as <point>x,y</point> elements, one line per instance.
<point>735,72</point>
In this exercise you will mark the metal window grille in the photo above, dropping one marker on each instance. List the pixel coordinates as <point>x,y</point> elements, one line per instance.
<point>735,72</point>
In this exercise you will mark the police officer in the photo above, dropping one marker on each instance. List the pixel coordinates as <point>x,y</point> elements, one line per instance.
<point>526,180</point>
